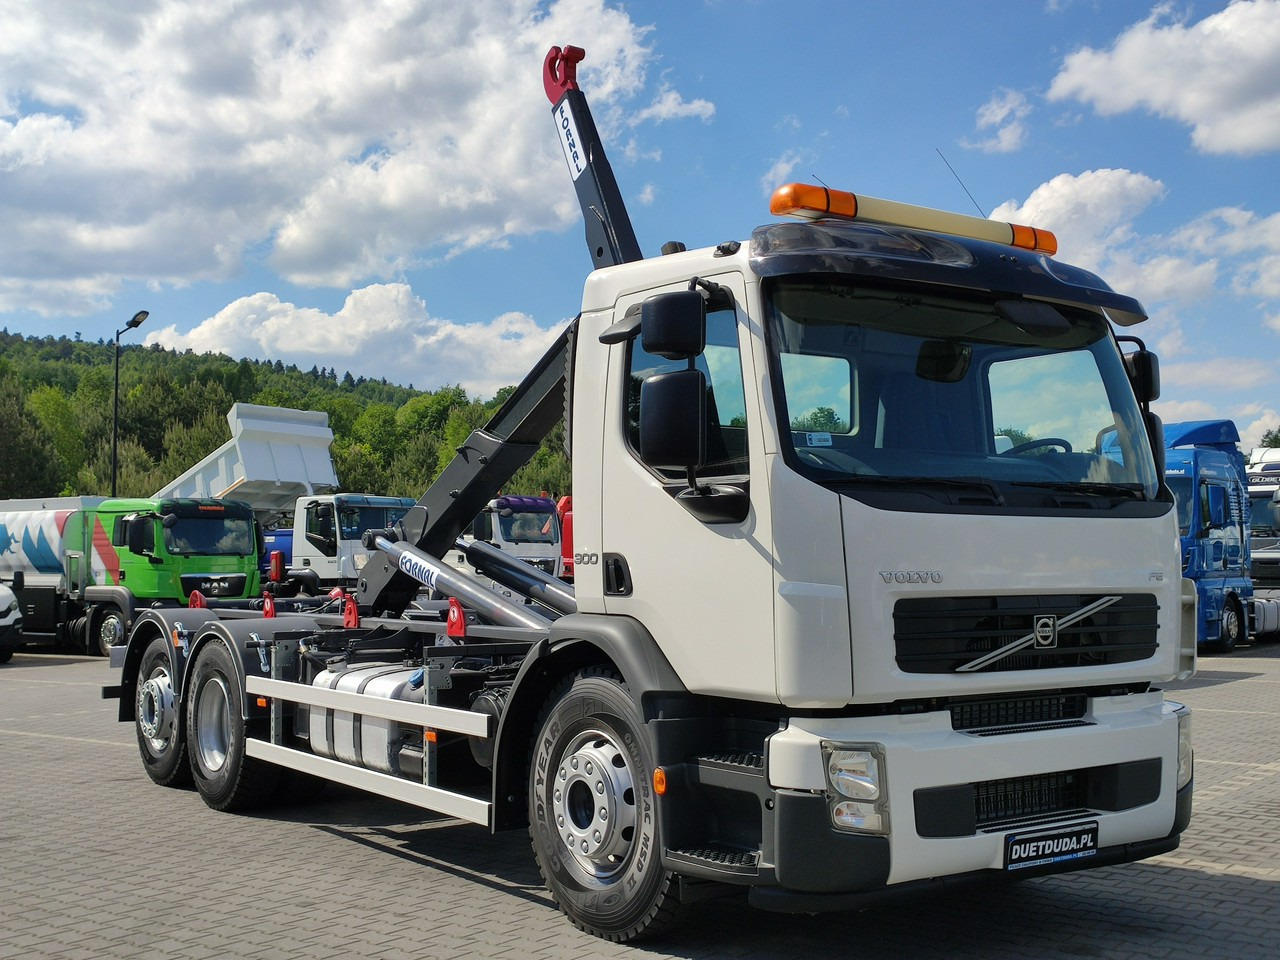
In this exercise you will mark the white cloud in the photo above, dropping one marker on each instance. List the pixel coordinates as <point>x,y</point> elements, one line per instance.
<point>1006,112</point>
<point>1253,421</point>
<point>382,330</point>
<point>1239,373</point>
<point>1219,76</point>
<point>341,142</point>
<point>780,171</point>
<point>1091,213</point>
<point>669,105</point>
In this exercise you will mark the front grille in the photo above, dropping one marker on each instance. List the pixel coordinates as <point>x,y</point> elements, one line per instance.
<point>944,634</point>
<point>214,584</point>
<point>1265,572</point>
<point>1016,713</point>
<point>1000,801</point>
<point>546,565</point>
<point>964,809</point>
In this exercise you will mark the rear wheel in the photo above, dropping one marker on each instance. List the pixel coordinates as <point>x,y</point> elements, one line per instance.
<point>108,631</point>
<point>591,811</point>
<point>157,717</point>
<point>216,734</point>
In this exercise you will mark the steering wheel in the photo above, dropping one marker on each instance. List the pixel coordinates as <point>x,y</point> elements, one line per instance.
<point>833,460</point>
<point>1034,444</point>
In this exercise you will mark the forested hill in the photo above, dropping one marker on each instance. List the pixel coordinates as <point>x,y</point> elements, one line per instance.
<point>56,411</point>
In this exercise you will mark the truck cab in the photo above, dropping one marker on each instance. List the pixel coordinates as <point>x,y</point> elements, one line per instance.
<point>327,533</point>
<point>527,528</point>
<point>1206,472</point>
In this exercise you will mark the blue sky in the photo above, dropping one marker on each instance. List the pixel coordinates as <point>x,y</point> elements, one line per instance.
<point>376,186</point>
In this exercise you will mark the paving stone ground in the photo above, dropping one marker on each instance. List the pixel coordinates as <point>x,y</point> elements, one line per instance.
<point>96,861</point>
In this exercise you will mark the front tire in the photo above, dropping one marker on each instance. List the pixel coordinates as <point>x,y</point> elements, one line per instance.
<point>1231,626</point>
<point>592,816</point>
<point>157,719</point>
<point>108,631</point>
<point>216,734</point>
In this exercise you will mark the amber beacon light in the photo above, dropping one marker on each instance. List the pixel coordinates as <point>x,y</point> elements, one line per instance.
<point>813,202</point>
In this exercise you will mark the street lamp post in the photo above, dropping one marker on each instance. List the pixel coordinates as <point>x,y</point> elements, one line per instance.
<point>136,321</point>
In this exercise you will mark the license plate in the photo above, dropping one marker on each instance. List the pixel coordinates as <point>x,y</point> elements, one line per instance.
<point>1043,847</point>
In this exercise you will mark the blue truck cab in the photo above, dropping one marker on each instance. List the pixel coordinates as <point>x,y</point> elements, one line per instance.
<point>1206,472</point>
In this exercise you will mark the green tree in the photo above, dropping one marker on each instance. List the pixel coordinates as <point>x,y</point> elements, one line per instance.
<point>358,469</point>
<point>1271,438</point>
<point>57,414</point>
<point>821,420</point>
<point>375,429</point>
<point>30,465</point>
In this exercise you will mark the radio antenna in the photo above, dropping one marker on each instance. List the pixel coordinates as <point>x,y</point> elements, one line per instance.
<point>981,212</point>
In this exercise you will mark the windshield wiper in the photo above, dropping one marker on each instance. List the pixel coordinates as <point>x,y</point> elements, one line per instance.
<point>1087,488</point>
<point>966,483</point>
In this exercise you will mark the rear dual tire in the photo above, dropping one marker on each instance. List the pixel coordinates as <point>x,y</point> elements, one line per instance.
<point>158,719</point>
<point>217,732</point>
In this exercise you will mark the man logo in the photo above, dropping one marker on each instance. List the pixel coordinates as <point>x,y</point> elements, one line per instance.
<point>1045,630</point>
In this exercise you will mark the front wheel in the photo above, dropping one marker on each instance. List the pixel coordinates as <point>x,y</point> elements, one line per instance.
<point>1231,626</point>
<point>592,817</point>
<point>156,719</point>
<point>216,734</point>
<point>108,631</point>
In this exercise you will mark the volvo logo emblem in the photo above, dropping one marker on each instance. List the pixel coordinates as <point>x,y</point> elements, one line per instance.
<point>1045,630</point>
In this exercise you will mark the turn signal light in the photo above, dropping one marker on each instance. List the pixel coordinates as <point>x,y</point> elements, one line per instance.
<point>813,202</point>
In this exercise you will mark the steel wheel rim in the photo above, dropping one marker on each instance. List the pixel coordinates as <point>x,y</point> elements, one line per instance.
<point>157,718</point>
<point>1230,624</point>
<point>213,724</point>
<point>593,803</point>
<point>110,633</point>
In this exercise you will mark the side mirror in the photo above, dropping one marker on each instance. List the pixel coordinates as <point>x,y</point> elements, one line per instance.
<point>674,325</point>
<point>19,580</point>
<point>1155,436</point>
<point>140,536</point>
<point>673,419</point>
<point>1143,369</point>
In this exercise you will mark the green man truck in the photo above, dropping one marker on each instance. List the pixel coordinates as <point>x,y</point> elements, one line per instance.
<point>90,564</point>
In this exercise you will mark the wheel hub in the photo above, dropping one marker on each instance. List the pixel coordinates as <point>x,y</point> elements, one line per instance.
<point>111,633</point>
<point>156,716</point>
<point>593,802</point>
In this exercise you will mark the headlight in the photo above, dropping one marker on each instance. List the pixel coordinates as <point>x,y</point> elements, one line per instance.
<point>854,773</point>
<point>857,788</point>
<point>1186,756</point>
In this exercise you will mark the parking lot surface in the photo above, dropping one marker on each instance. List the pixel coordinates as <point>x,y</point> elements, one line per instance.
<point>96,861</point>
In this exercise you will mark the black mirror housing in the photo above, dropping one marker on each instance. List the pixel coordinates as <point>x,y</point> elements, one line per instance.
<point>1143,368</point>
<point>674,325</point>
<point>673,420</point>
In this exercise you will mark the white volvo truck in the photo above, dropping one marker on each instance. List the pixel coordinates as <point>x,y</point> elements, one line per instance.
<point>827,639</point>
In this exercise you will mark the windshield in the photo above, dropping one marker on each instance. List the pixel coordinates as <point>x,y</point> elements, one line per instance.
<point>210,536</point>
<point>1007,396</point>
<point>1264,516</point>
<point>529,527</point>
<point>354,521</point>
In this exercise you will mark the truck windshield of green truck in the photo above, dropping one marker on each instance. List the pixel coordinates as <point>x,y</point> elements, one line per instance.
<point>209,533</point>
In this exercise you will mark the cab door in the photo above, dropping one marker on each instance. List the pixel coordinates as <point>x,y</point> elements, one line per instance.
<point>702,587</point>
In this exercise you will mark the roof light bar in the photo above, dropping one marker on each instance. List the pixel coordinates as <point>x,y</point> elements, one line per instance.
<point>813,202</point>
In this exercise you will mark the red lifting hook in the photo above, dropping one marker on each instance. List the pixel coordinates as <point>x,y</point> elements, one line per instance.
<point>560,71</point>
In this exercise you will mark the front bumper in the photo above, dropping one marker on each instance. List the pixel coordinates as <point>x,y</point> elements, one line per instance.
<point>10,637</point>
